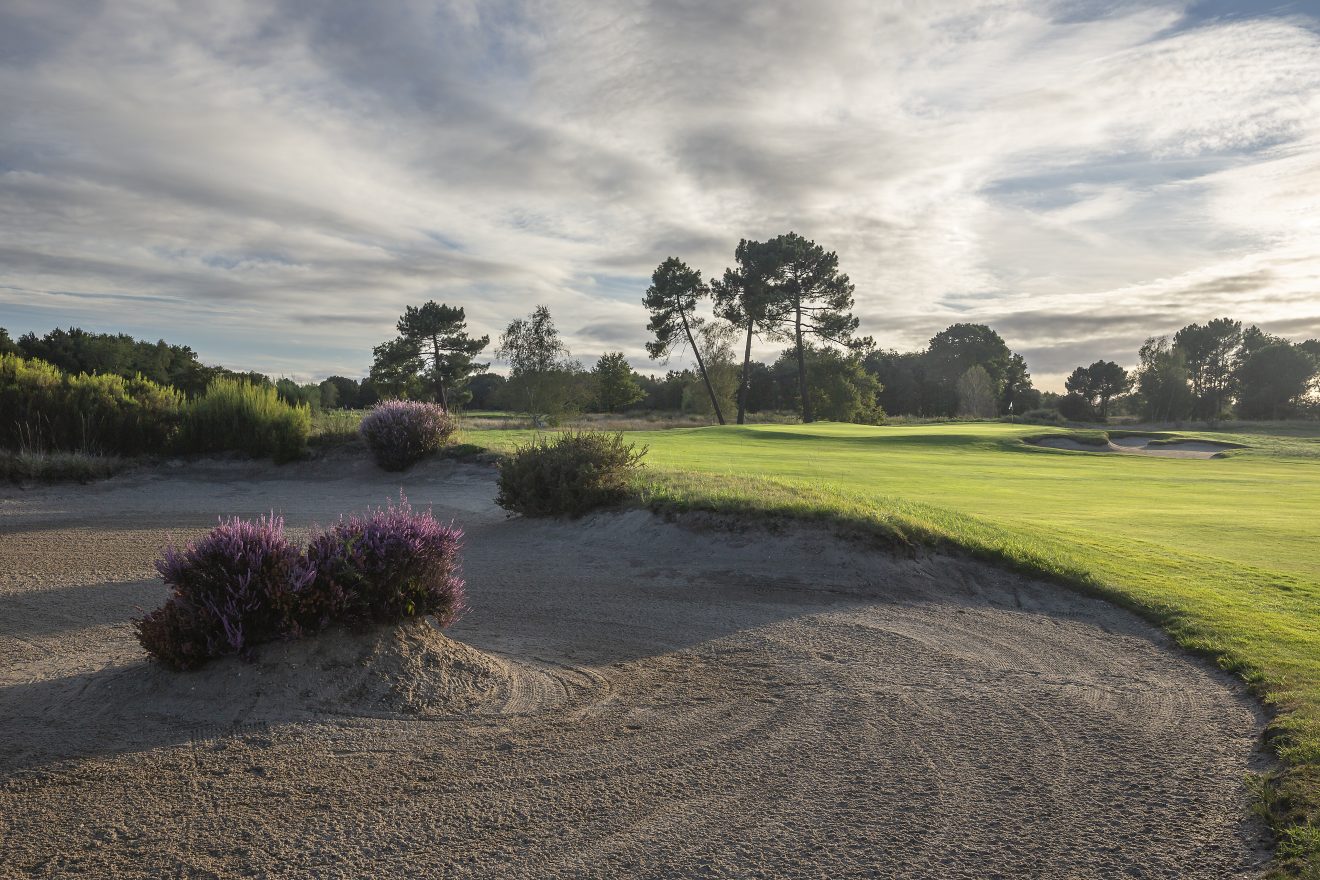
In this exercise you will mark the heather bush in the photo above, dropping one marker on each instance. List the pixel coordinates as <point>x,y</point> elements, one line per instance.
<point>47,410</point>
<point>240,585</point>
<point>402,432</point>
<point>244,584</point>
<point>568,473</point>
<point>235,414</point>
<point>391,564</point>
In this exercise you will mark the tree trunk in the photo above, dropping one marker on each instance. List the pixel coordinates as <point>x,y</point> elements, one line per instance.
<point>435,366</point>
<point>719,416</point>
<point>807,417</point>
<point>746,384</point>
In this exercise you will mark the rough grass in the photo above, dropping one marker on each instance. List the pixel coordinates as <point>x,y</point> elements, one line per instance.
<point>58,467</point>
<point>1222,553</point>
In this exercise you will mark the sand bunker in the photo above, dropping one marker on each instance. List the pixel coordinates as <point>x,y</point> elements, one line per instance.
<point>626,697</point>
<point>1142,446</point>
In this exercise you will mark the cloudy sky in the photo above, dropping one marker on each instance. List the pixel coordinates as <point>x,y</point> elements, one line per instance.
<point>272,182</point>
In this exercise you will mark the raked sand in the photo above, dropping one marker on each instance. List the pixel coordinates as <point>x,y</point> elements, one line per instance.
<point>625,698</point>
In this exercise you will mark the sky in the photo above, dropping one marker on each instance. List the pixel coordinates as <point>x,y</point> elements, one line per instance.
<point>273,182</point>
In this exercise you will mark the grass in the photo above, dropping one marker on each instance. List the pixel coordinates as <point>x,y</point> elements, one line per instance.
<point>58,467</point>
<point>1222,553</point>
<point>332,427</point>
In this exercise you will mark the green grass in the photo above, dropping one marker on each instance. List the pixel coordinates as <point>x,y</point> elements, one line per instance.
<point>1223,553</point>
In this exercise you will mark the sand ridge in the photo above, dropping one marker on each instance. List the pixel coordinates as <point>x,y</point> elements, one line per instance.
<point>1139,445</point>
<point>625,697</point>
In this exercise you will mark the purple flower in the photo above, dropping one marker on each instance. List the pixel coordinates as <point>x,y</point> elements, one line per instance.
<point>402,432</point>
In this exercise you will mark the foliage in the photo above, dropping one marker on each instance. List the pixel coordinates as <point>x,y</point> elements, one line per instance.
<point>1162,381</point>
<point>391,564</point>
<point>841,388</point>
<point>244,583</point>
<point>976,394</point>
<point>400,433</point>
<point>715,345</point>
<point>396,369</point>
<point>57,467</point>
<point>1273,375</point>
<point>240,585</point>
<point>433,353</point>
<point>78,351</point>
<point>1092,388</point>
<point>292,393</point>
<point>748,297</point>
<point>567,473</point>
<point>615,383</point>
<point>544,381</point>
<point>333,427</point>
<point>813,299</point>
<point>45,410</point>
<point>1210,352</point>
<point>672,300</point>
<point>951,353</point>
<point>236,415</point>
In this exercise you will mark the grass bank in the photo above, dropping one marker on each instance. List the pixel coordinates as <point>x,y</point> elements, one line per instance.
<point>1222,553</point>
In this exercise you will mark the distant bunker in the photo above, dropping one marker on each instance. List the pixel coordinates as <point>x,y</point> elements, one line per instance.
<point>1156,445</point>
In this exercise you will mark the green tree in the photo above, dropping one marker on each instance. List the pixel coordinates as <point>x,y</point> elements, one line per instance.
<point>439,334</point>
<point>671,299</point>
<point>1018,395</point>
<point>1211,352</point>
<point>1272,376</point>
<point>1098,384</point>
<point>951,353</point>
<point>346,392</point>
<point>977,396</point>
<point>715,343</point>
<point>543,377</point>
<point>396,368</point>
<point>7,345</point>
<point>616,386</point>
<point>815,297</point>
<point>1162,382</point>
<point>841,388</point>
<point>751,298</point>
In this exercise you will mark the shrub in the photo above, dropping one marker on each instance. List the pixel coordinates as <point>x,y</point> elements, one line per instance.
<point>244,583</point>
<point>1043,416</point>
<point>402,432</point>
<point>391,564</point>
<point>240,585</point>
<point>235,414</point>
<point>47,410</point>
<point>569,473</point>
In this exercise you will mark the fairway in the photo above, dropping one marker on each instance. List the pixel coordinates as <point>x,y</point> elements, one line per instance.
<point>1221,552</point>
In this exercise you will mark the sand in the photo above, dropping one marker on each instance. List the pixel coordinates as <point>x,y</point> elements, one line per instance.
<point>1141,446</point>
<point>626,697</point>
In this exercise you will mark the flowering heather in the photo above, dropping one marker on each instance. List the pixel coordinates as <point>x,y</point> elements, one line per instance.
<point>240,585</point>
<point>402,432</point>
<point>390,564</point>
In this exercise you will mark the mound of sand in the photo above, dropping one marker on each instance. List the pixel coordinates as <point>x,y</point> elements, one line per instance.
<point>412,670</point>
<point>1141,446</point>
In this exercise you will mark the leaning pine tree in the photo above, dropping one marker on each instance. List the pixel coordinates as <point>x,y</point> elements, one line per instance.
<point>671,300</point>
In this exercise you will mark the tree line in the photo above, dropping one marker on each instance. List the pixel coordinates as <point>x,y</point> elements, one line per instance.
<point>1208,371</point>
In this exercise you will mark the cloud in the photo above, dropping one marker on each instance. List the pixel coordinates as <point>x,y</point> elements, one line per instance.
<point>274,182</point>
